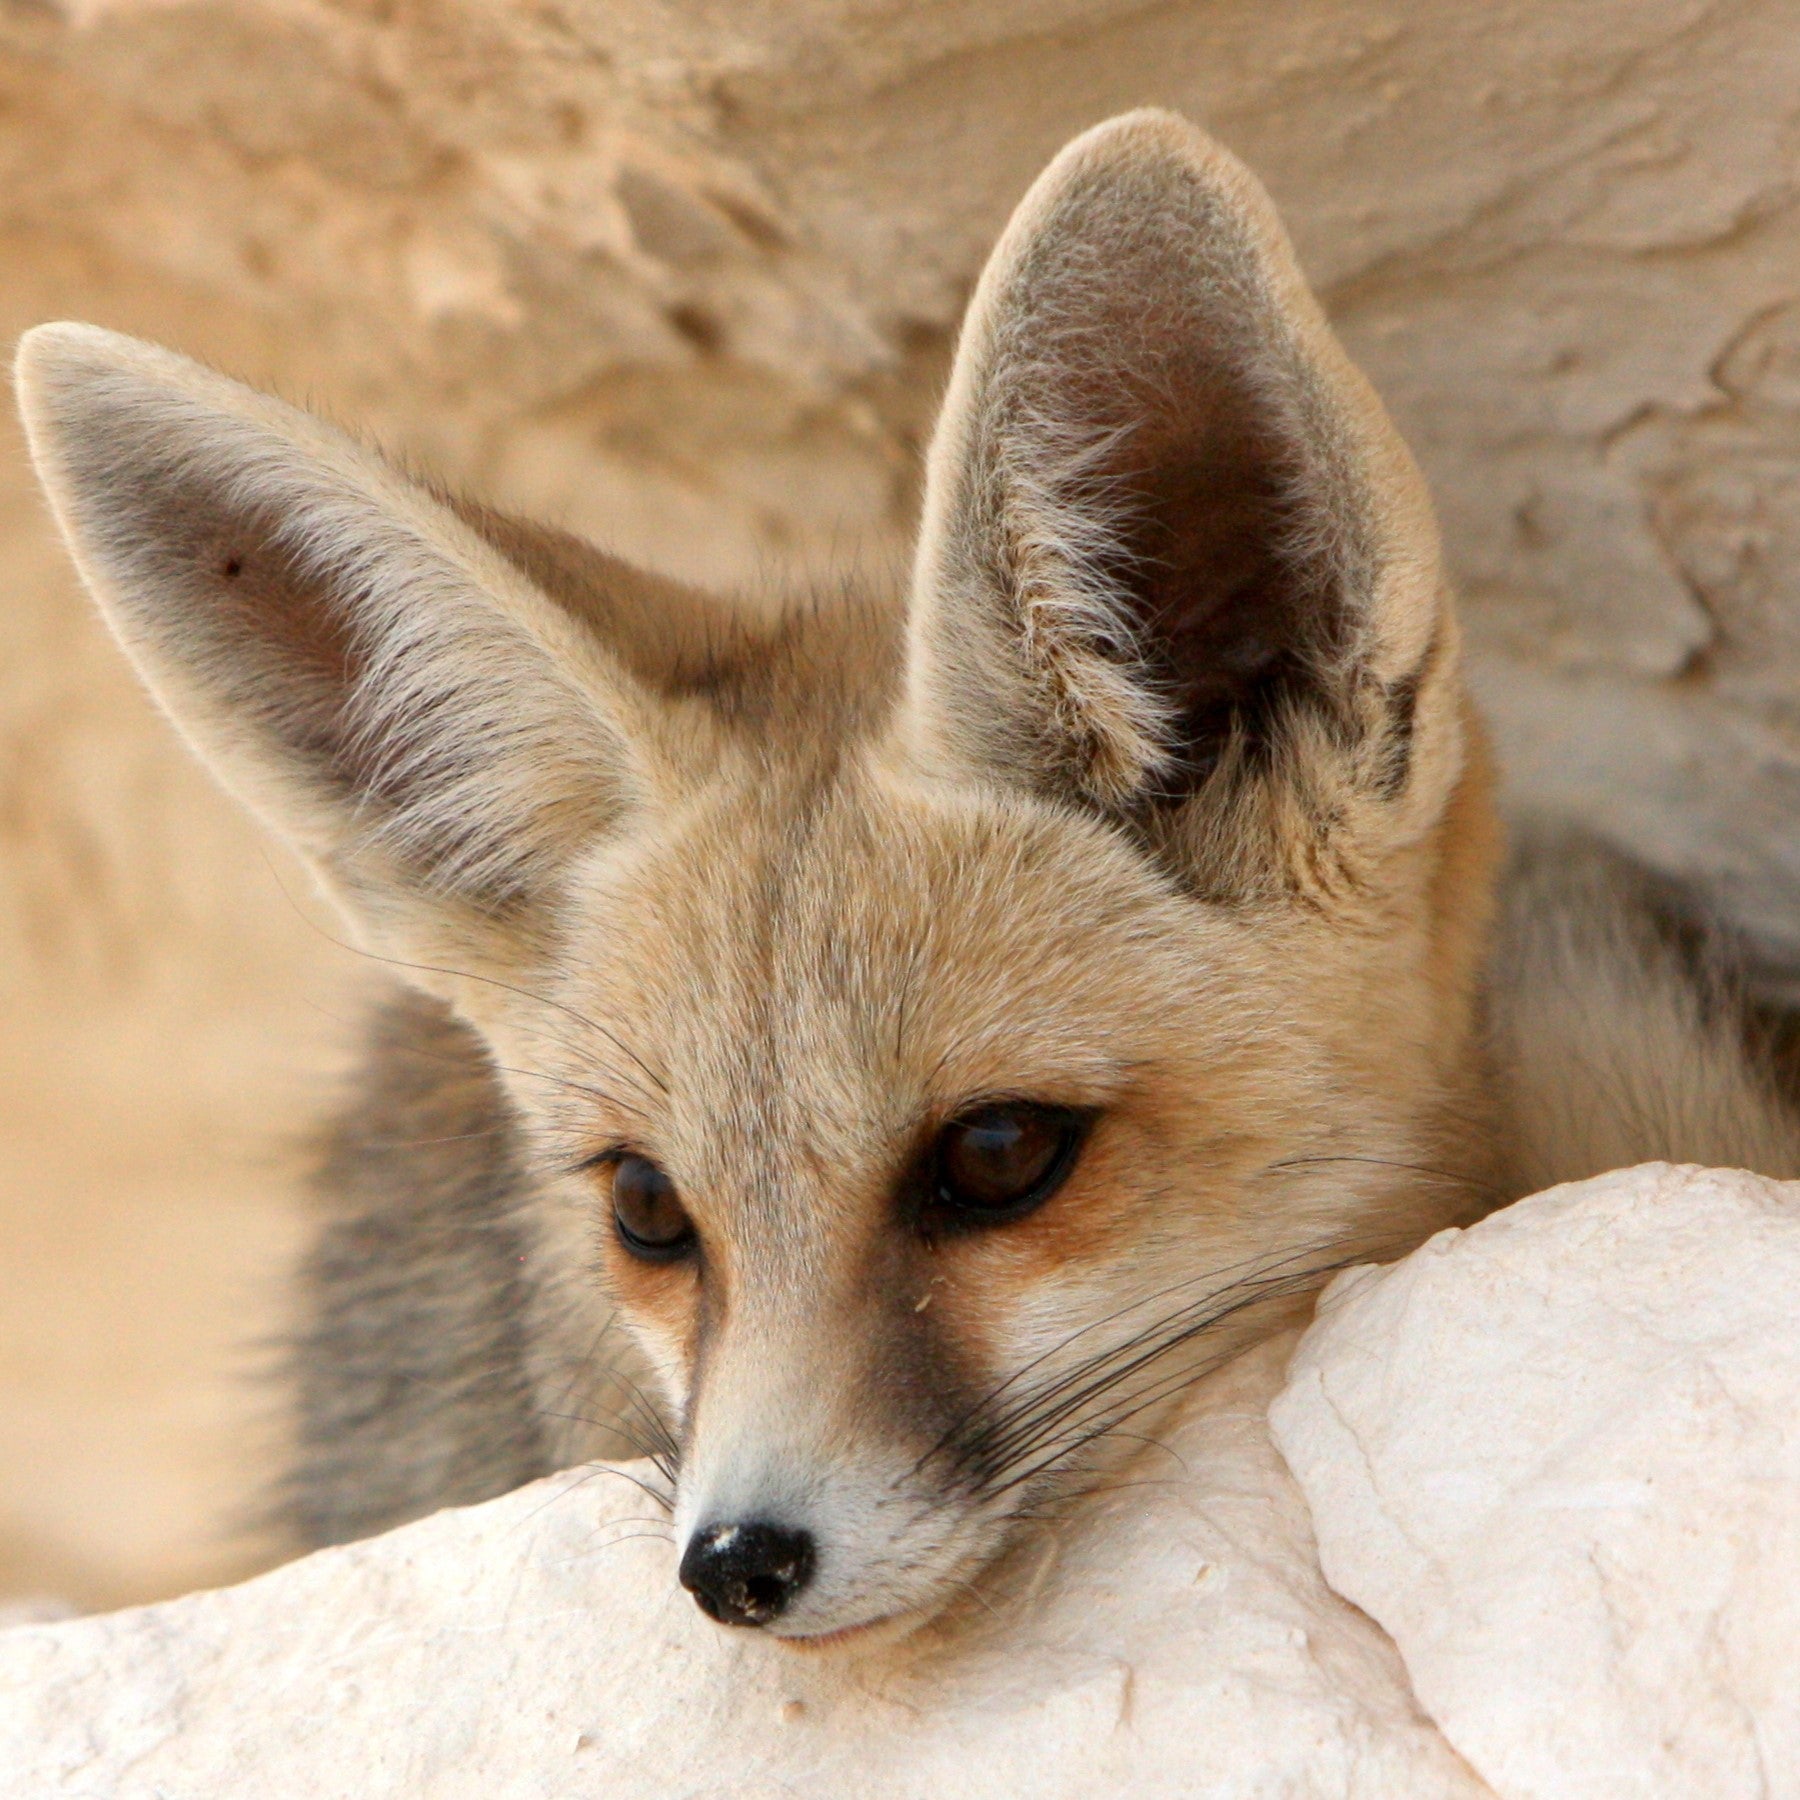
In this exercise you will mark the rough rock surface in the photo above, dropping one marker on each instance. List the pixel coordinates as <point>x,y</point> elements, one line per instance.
<point>683,274</point>
<point>1179,1642</point>
<point>1557,1457</point>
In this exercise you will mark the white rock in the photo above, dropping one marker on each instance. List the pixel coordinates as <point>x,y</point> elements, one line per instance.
<point>1557,1457</point>
<point>1179,1642</point>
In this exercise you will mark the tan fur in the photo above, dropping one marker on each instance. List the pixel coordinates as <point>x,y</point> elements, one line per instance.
<point>1159,798</point>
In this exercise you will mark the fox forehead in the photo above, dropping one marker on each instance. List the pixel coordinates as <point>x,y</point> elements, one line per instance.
<point>815,968</point>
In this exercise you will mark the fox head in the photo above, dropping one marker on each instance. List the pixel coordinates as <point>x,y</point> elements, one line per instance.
<point>942,1024</point>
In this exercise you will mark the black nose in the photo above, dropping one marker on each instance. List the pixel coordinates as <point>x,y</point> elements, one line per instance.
<point>746,1574</point>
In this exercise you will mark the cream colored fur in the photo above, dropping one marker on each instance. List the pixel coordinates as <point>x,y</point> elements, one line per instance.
<point>1160,797</point>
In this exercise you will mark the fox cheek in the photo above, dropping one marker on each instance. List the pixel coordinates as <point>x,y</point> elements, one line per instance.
<point>651,1316</point>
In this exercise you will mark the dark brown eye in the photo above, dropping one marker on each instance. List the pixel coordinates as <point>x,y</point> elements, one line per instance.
<point>1000,1161</point>
<point>650,1221</point>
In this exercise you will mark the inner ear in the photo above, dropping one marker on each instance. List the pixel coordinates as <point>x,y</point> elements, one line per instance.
<point>1168,531</point>
<point>278,641</point>
<point>284,633</point>
<point>1163,426</point>
<point>1232,620</point>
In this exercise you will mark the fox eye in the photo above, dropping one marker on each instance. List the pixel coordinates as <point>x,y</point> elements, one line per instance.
<point>1000,1161</point>
<point>650,1221</point>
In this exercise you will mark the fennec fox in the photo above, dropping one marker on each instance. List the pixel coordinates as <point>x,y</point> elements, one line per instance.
<point>937,1028</point>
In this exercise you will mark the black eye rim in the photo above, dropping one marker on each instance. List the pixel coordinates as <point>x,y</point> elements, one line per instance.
<point>942,1214</point>
<point>649,1250</point>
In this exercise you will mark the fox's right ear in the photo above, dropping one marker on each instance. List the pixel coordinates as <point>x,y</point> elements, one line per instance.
<point>1175,564</point>
<point>360,666</point>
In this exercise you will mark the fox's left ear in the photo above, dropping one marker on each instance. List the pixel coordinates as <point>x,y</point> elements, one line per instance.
<point>1176,564</point>
<point>354,661</point>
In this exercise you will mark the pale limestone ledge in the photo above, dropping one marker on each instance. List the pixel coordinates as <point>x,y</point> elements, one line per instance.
<point>1557,1456</point>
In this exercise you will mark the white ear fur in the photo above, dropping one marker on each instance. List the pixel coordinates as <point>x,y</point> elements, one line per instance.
<point>1142,342</point>
<point>366,672</point>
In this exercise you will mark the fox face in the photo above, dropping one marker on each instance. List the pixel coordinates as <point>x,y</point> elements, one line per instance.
<point>941,1024</point>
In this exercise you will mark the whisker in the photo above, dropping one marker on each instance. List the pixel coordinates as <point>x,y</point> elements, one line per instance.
<point>427,1143</point>
<point>1056,1349</point>
<point>1155,1342</point>
<point>648,1411</point>
<point>1381,1162</point>
<point>580,1481</point>
<point>656,1458</point>
<point>593,1471</point>
<point>634,1537</point>
<point>1043,1427</point>
<point>1105,1427</point>
<point>1091,1368</point>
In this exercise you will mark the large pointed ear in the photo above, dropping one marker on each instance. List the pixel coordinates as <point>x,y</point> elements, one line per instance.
<point>360,666</point>
<point>1175,563</point>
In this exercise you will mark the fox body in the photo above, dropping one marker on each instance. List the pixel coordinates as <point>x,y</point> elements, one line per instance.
<point>930,1028</point>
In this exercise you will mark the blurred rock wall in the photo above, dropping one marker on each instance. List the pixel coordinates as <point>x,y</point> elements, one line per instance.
<point>683,274</point>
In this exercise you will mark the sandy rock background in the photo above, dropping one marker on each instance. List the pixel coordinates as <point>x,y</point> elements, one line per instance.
<point>682,274</point>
